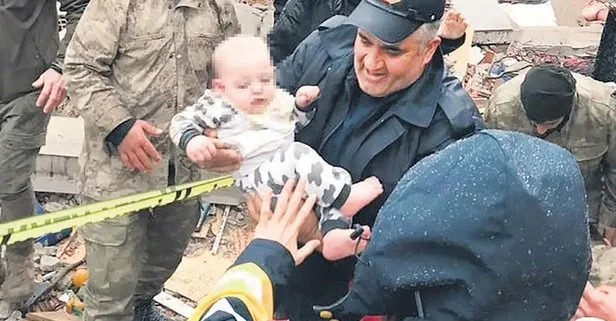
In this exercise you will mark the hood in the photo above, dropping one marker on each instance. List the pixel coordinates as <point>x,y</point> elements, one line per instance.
<point>493,227</point>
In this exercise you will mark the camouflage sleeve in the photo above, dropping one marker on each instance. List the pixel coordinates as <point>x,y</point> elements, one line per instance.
<point>228,19</point>
<point>89,57</point>
<point>208,112</point>
<point>74,10</point>
<point>488,114</point>
<point>608,206</point>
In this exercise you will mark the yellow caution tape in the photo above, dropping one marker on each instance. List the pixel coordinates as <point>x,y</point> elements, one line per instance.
<point>37,225</point>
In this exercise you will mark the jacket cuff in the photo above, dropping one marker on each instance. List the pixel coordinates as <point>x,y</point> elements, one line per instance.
<point>57,65</point>
<point>273,258</point>
<point>342,197</point>
<point>186,137</point>
<point>450,45</point>
<point>112,118</point>
<point>333,224</point>
<point>118,134</point>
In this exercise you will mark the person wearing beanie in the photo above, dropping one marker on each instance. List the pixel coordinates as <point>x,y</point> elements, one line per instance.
<point>575,112</point>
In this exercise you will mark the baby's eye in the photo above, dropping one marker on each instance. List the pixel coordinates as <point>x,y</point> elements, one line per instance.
<point>242,86</point>
<point>266,79</point>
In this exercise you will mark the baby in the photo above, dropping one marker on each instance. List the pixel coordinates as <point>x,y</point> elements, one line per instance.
<point>251,114</point>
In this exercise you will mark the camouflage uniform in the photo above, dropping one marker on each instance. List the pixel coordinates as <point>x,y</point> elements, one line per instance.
<point>29,45</point>
<point>588,135</point>
<point>138,59</point>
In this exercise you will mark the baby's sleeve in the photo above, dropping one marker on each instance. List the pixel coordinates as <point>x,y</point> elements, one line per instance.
<point>208,112</point>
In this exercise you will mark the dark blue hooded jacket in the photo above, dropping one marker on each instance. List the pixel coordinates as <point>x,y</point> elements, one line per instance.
<point>493,227</point>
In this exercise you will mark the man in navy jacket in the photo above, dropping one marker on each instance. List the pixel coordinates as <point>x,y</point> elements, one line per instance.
<point>387,100</point>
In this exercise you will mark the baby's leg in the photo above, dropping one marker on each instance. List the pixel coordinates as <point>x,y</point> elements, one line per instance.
<point>332,185</point>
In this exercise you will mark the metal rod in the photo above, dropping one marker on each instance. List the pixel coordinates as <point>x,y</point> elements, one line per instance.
<point>222,230</point>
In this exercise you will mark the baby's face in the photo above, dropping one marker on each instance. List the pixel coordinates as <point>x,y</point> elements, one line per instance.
<point>248,82</point>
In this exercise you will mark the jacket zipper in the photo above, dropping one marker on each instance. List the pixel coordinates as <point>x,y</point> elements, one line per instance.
<point>348,93</point>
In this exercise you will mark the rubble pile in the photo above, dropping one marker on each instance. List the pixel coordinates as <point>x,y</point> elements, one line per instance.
<point>491,66</point>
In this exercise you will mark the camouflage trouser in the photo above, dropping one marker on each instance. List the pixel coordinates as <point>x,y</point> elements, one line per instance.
<point>323,180</point>
<point>22,133</point>
<point>131,257</point>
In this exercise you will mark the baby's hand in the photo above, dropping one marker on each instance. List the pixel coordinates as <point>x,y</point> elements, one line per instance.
<point>200,149</point>
<point>306,95</point>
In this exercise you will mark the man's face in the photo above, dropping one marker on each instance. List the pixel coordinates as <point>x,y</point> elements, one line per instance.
<point>383,69</point>
<point>543,127</point>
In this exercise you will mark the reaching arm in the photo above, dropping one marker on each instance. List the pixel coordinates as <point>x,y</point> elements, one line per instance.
<point>608,206</point>
<point>89,57</point>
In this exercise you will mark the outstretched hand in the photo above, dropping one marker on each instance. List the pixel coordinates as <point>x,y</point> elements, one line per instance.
<point>597,302</point>
<point>284,224</point>
<point>453,26</point>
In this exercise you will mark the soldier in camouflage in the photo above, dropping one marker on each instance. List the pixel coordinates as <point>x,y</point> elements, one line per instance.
<point>575,112</point>
<point>130,67</point>
<point>31,87</point>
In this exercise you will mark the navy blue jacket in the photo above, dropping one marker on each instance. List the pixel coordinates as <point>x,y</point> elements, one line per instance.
<point>424,118</point>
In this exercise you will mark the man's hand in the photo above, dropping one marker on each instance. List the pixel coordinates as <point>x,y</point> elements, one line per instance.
<point>201,149</point>
<point>136,150</point>
<point>453,26</point>
<point>283,226</point>
<point>609,236</point>
<point>306,95</point>
<point>225,158</point>
<point>54,90</point>
<point>598,303</point>
<point>308,231</point>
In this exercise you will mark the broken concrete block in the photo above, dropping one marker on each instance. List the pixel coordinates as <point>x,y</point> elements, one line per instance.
<point>49,263</point>
<point>39,250</point>
<point>51,250</point>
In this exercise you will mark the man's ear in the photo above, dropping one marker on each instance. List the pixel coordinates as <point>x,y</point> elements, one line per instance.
<point>431,49</point>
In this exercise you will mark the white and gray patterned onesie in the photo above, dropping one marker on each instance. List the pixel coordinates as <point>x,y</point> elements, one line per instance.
<point>270,155</point>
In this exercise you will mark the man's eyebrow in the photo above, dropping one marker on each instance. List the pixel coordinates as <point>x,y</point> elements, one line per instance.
<point>389,47</point>
<point>385,46</point>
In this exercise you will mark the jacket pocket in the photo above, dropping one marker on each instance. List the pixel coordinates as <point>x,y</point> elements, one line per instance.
<point>589,159</point>
<point>26,124</point>
<point>111,232</point>
<point>200,49</point>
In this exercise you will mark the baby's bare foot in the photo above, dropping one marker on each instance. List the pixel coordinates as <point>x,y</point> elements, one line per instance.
<point>362,194</point>
<point>337,243</point>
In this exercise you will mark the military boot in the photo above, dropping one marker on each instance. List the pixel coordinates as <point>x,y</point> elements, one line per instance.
<point>145,311</point>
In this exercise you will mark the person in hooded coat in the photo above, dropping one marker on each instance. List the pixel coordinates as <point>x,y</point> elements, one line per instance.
<point>296,19</point>
<point>491,228</point>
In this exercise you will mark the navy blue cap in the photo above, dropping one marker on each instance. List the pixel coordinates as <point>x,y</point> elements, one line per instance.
<point>393,20</point>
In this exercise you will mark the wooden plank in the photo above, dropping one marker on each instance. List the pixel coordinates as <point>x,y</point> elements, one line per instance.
<point>193,280</point>
<point>174,304</point>
<point>60,315</point>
